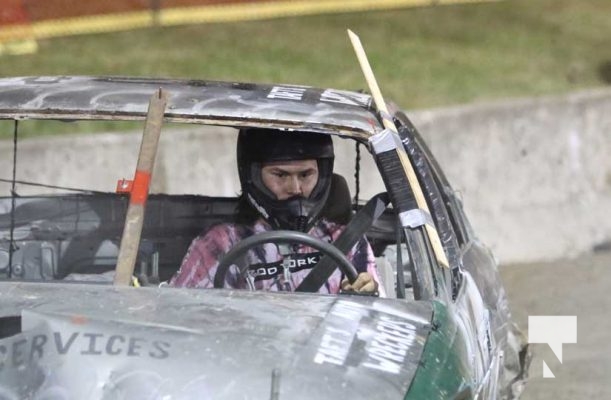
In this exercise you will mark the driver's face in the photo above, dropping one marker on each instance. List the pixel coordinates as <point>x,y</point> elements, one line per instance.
<point>290,178</point>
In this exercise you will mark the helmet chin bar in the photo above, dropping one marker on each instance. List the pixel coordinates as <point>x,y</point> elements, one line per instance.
<point>301,224</point>
<point>294,213</point>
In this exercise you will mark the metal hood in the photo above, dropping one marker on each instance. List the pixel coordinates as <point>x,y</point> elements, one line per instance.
<point>102,342</point>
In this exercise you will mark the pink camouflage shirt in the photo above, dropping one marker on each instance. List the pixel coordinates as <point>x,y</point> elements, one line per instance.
<point>265,270</point>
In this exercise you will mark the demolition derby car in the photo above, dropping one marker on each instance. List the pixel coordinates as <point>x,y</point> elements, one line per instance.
<point>66,331</point>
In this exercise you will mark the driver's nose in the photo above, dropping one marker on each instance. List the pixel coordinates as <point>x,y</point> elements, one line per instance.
<point>294,186</point>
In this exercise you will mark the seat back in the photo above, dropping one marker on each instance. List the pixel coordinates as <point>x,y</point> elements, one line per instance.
<point>338,207</point>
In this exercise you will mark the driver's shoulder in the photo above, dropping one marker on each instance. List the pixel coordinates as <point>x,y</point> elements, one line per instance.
<point>230,232</point>
<point>220,232</point>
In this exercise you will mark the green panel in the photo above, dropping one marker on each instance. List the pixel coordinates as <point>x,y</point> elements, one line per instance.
<point>443,370</point>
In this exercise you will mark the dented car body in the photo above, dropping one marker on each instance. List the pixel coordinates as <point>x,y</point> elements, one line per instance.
<point>444,332</point>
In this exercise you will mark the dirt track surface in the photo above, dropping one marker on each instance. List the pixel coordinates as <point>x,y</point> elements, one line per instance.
<point>582,288</point>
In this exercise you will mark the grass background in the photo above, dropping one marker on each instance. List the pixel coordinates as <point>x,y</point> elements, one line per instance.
<point>422,57</point>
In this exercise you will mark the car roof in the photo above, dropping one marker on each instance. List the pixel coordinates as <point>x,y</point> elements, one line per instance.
<point>191,101</point>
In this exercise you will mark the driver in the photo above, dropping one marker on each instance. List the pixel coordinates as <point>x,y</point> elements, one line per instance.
<point>285,179</point>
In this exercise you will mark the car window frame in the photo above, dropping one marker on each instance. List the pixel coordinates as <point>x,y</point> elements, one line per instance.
<point>433,180</point>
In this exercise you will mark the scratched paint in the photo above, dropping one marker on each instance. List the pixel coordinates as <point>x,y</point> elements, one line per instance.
<point>205,102</point>
<point>178,340</point>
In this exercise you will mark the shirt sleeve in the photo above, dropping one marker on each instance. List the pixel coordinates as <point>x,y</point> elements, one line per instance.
<point>363,259</point>
<point>202,259</point>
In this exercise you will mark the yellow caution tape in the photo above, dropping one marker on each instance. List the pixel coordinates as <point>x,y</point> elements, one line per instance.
<point>92,24</point>
<point>201,14</point>
<point>18,47</point>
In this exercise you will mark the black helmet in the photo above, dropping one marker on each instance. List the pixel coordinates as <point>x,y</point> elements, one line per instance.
<point>257,146</point>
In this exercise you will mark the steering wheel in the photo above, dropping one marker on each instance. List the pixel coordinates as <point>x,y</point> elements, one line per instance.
<point>282,237</point>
